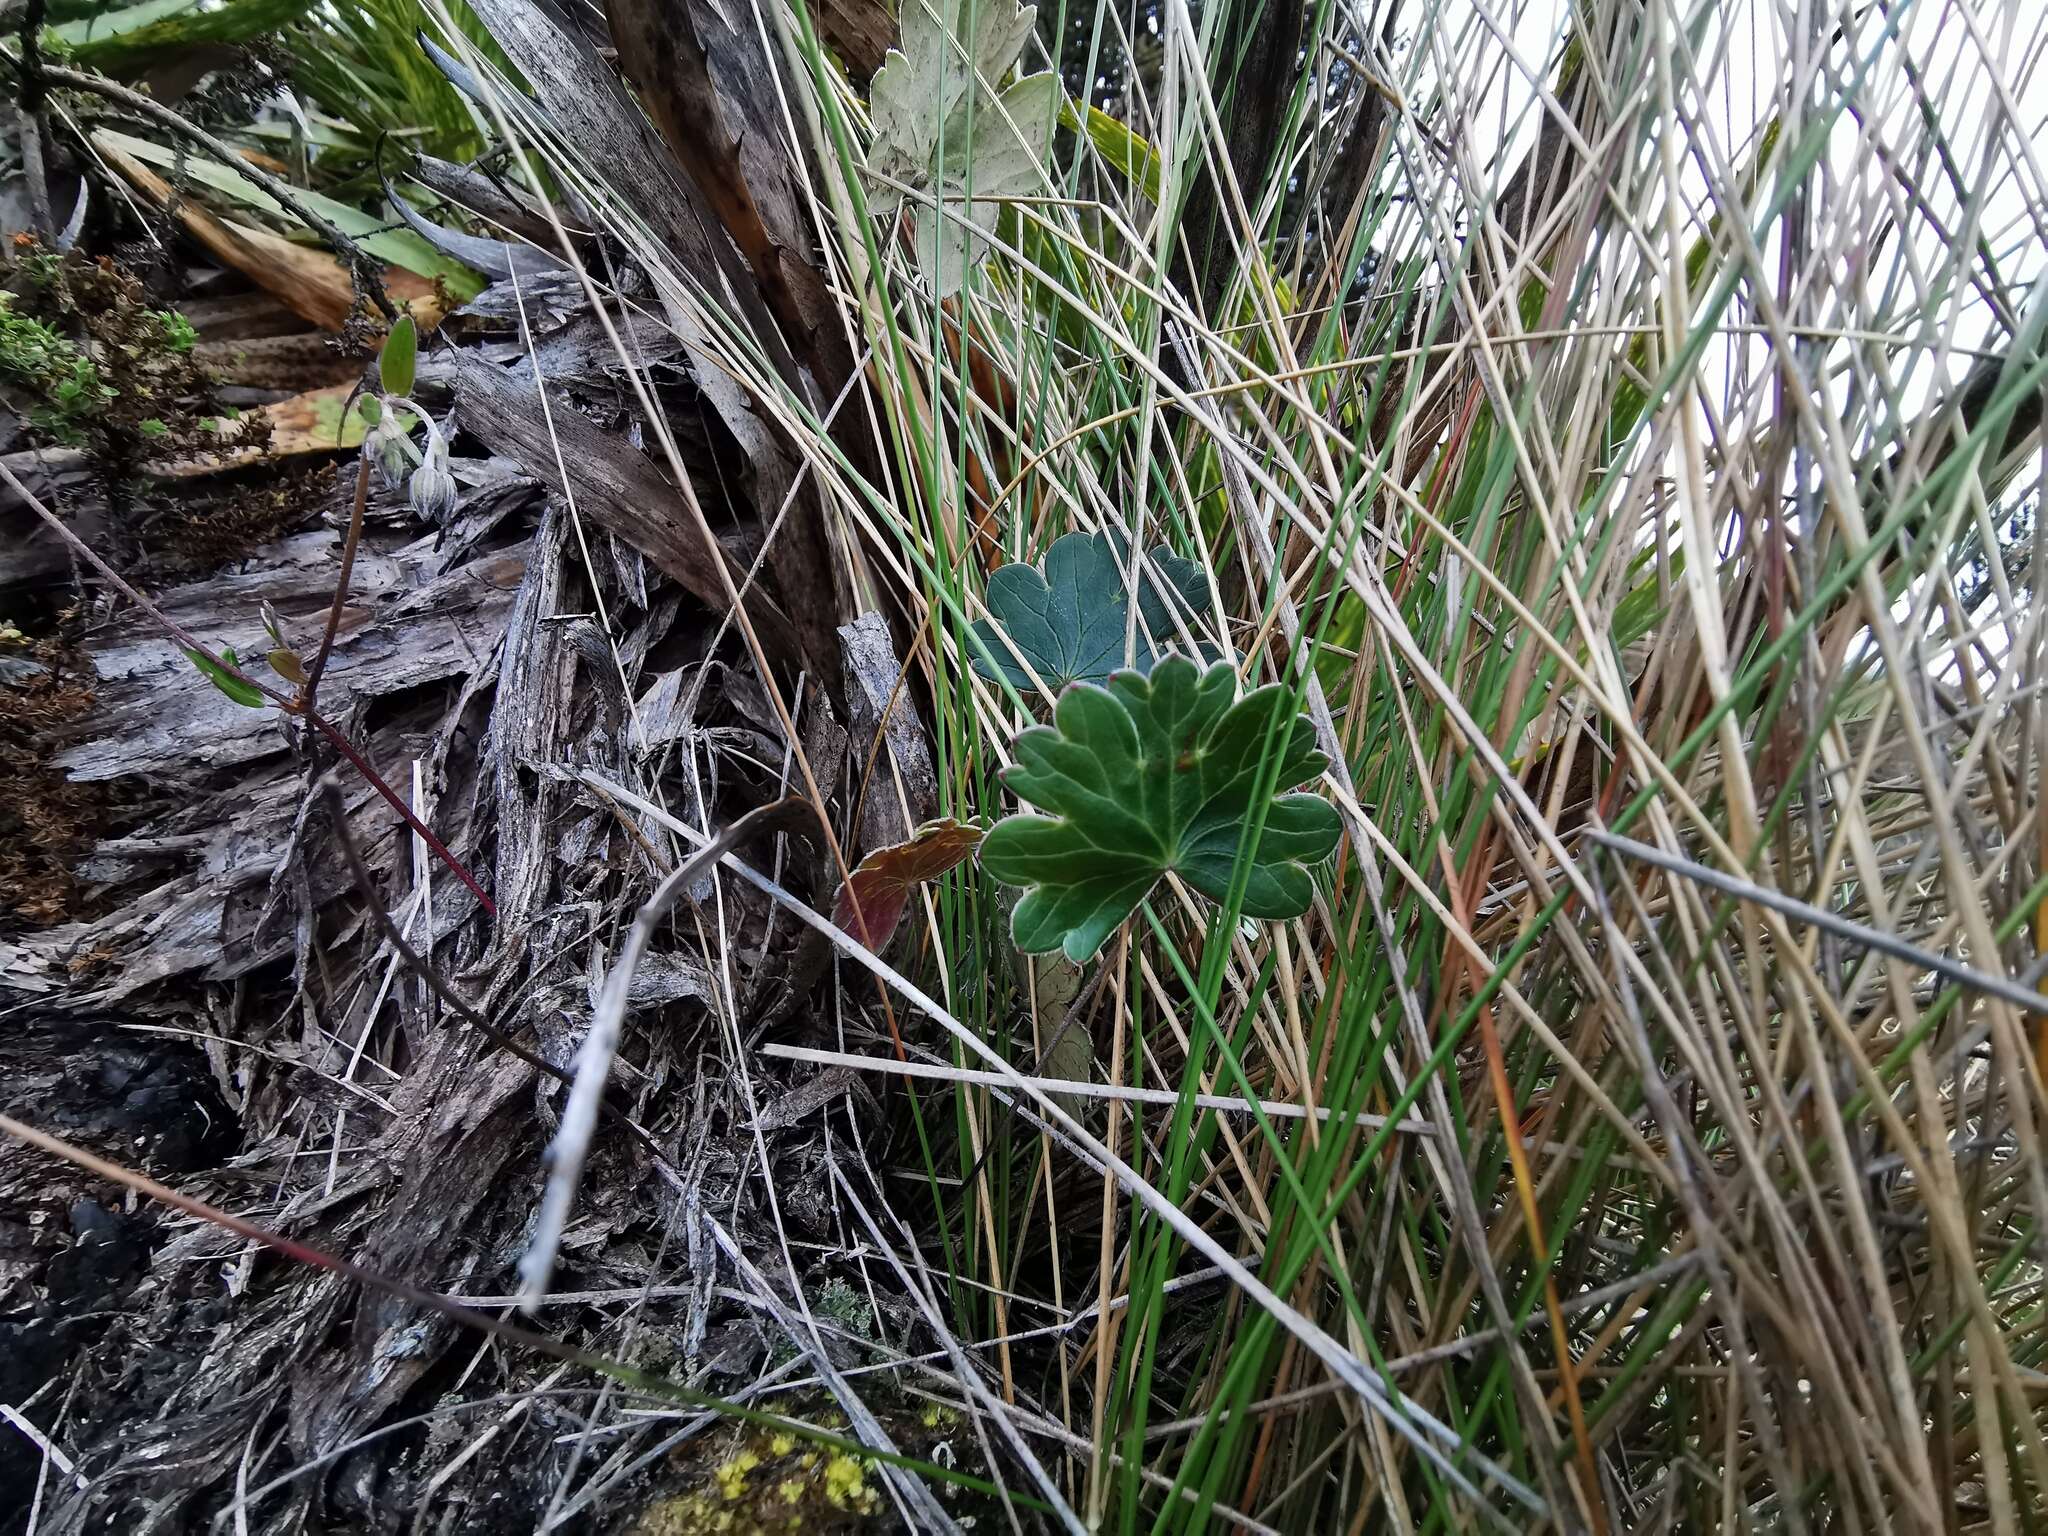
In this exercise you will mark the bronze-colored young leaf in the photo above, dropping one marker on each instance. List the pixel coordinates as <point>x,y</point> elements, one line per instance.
<point>885,880</point>
<point>1150,775</point>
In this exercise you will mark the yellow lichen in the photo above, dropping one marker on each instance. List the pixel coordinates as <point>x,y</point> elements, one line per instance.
<point>683,1516</point>
<point>801,1489</point>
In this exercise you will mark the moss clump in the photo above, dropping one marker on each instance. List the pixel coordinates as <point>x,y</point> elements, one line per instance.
<point>769,1483</point>
<point>846,1308</point>
<point>65,391</point>
<point>846,1485</point>
<point>48,823</point>
<point>90,362</point>
<point>732,1476</point>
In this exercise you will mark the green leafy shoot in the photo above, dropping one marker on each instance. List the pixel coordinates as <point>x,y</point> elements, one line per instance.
<point>1066,619</point>
<point>179,335</point>
<point>241,692</point>
<point>1151,775</point>
<point>67,391</point>
<point>399,357</point>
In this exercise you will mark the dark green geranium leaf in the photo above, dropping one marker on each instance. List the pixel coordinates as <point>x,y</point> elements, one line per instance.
<point>1067,615</point>
<point>225,681</point>
<point>1147,775</point>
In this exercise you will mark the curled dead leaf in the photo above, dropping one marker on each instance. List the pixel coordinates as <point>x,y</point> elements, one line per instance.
<point>871,903</point>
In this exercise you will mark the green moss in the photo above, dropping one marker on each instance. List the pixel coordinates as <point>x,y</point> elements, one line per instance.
<point>846,1485</point>
<point>66,391</point>
<point>732,1477</point>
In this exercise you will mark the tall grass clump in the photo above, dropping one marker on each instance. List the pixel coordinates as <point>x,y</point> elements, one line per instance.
<point>1615,427</point>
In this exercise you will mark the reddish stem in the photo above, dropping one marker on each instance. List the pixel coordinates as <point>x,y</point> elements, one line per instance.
<point>434,845</point>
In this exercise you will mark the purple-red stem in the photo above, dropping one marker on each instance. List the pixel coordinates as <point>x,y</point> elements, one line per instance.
<point>341,582</point>
<point>434,845</point>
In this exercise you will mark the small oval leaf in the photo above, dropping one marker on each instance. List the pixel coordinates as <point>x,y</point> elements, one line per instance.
<point>242,693</point>
<point>395,364</point>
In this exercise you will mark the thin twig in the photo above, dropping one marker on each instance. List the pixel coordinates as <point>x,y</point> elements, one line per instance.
<point>594,1060</point>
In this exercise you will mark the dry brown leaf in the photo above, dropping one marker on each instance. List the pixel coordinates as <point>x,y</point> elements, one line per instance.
<point>888,877</point>
<point>312,284</point>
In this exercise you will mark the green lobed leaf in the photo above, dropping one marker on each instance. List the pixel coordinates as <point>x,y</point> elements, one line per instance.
<point>1067,616</point>
<point>954,54</point>
<point>942,128</point>
<point>1149,775</point>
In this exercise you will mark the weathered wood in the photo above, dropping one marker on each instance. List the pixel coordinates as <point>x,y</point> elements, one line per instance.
<point>714,90</point>
<point>615,485</point>
<point>893,781</point>
<point>861,32</point>
<point>407,622</point>
<point>1250,75</point>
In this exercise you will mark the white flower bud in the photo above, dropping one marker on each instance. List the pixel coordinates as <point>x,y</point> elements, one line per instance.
<point>389,449</point>
<point>432,488</point>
